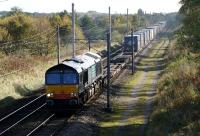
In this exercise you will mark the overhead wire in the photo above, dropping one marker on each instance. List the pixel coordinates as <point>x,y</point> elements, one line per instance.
<point>27,38</point>
<point>26,41</point>
<point>32,40</point>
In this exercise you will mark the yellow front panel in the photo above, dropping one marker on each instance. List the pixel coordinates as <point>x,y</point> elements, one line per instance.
<point>61,89</point>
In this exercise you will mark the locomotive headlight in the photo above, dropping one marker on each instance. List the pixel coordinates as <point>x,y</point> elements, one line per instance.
<point>73,94</point>
<point>50,95</point>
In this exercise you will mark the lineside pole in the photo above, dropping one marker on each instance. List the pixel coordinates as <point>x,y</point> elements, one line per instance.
<point>110,24</point>
<point>108,108</point>
<point>132,54</point>
<point>58,44</point>
<point>73,31</point>
<point>127,22</point>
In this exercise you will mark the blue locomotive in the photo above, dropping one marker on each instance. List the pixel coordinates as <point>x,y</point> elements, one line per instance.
<point>73,82</point>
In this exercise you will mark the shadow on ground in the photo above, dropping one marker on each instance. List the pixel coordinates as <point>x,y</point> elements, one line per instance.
<point>22,90</point>
<point>172,121</point>
<point>6,100</point>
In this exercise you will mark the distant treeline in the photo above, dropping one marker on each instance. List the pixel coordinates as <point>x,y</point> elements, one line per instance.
<point>19,29</point>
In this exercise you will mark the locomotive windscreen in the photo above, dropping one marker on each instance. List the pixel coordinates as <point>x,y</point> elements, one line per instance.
<point>53,77</point>
<point>61,77</point>
<point>69,77</point>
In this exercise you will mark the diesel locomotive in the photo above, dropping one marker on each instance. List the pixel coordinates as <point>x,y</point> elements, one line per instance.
<point>74,81</point>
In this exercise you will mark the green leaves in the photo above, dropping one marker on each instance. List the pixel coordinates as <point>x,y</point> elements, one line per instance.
<point>189,34</point>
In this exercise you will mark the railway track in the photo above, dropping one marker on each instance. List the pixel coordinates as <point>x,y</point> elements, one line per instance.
<point>31,117</point>
<point>34,119</point>
<point>53,126</point>
<point>15,118</point>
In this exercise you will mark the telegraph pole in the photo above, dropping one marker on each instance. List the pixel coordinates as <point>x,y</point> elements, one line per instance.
<point>108,108</point>
<point>73,31</point>
<point>127,21</point>
<point>58,44</point>
<point>132,54</point>
<point>110,24</point>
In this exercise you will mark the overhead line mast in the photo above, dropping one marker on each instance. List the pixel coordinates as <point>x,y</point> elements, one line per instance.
<point>108,108</point>
<point>73,32</point>
<point>127,22</point>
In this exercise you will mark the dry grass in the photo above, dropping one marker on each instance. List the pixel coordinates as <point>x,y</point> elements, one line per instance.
<point>177,111</point>
<point>30,76</point>
<point>21,83</point>
<point>130,107</point>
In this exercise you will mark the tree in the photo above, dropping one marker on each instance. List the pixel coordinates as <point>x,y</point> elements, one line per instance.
<point>102,21</point>
<point>64,13</point>
<point>55,20</point>
<point>87,24</point>
<point>189,34</point>
<point>134,22</point>
<point>15,10</point>
<point>18,26</point>
<point>140,12</point>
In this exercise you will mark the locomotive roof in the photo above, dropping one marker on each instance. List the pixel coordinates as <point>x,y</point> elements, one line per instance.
<point>134,34</point>
<point>145,30</point>
<point>82,62</point>
<point>140,31</point>
<point>79,63</point>
<point>151,27</point>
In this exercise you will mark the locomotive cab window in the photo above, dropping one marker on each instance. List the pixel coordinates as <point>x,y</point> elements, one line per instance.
<point>69,77</point>
<point>53,77</point>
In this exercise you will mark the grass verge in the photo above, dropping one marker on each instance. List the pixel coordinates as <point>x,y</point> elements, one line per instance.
<point>129,109</point>
<point>178,98</point>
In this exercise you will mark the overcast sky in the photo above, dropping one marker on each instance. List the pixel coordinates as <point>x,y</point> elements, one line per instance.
<point>117,6</point>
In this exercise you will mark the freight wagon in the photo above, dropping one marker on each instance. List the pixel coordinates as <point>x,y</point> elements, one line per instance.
<point>128,43</point>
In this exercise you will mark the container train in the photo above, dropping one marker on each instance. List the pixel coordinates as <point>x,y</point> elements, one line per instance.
<point>72,82</point>
<point>141,38</point>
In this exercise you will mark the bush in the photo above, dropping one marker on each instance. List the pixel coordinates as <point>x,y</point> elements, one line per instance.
<point>178,99</point>
<point>177,84</point>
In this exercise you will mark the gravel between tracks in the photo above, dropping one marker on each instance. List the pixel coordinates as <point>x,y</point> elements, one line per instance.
<point>85,122</point>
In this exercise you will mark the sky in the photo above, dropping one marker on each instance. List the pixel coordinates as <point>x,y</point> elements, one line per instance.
<point>117,6</point>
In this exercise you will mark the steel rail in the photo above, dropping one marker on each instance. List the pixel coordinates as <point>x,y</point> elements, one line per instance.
<point>21,108</point>
<point>4,131</point>
<point>39,126</point>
